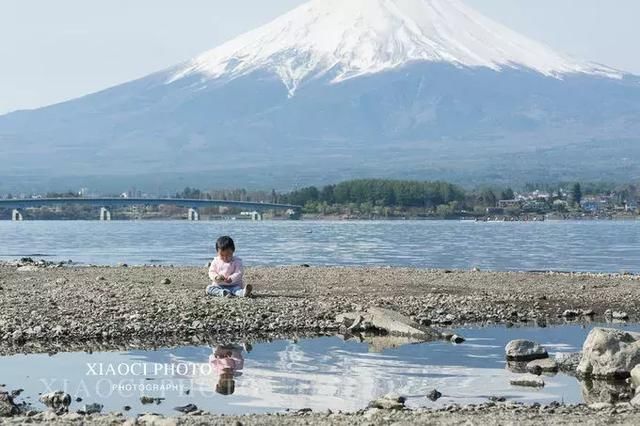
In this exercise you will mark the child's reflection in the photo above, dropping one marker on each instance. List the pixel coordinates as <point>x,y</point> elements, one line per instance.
<point>227,360</point>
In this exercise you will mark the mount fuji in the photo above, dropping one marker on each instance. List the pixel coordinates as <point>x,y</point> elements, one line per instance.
<point>336,89</point>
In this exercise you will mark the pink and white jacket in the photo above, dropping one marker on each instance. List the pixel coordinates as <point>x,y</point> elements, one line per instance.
<point>231,270</point>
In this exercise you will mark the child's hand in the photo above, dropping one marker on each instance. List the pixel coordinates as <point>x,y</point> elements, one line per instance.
<point>228,281</point>
<point>219,278</point>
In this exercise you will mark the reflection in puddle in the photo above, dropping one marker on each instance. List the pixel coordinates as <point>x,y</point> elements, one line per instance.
<point>321,373</point>
<point>228,363</point>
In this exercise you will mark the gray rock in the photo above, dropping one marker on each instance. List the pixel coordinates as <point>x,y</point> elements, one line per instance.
<point>525,350</point>
<point>457,339</point>
<point>7,407</point>
<point>619,315</point>
<point>528,381</point>
<point>568,361</point>
<point>597,406</point>
<point>150,400</point>
<point>609,353</point>
<point>540,366</point>
<point>390,321</point>
<point>636,400</point>
<point>389,402</point>
<point>189,408</point>
<point>56,399</point>
<point>92,408</point>
<point>156,420</point>
<point>165,281</point>
<point>635,377</point>
<point>434,395</point>
<point>571,313</point>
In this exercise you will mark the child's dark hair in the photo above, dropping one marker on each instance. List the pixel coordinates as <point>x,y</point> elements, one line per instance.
<point>225,243</point>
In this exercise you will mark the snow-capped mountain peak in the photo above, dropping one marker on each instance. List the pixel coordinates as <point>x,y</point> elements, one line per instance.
<point>348,38</point>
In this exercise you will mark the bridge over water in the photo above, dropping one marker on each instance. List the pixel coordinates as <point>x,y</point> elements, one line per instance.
<point>107,204</point>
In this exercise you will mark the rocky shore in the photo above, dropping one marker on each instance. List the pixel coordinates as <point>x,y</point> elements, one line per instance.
<point>51,308</point>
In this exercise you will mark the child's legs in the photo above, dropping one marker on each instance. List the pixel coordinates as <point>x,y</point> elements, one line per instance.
<point>216,290</point>
<point>237,290</point>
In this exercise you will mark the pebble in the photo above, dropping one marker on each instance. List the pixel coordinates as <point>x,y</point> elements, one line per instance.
<point>189,408</point>
<point>150,400</point>
<point>619,315</point>
<point>388,402</point>
<point>457,339</point>
<point>434,395</point>
<point>92,408</point>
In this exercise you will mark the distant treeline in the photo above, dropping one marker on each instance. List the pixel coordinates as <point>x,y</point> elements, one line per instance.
<point>379,192</point>
<point>389,197</point>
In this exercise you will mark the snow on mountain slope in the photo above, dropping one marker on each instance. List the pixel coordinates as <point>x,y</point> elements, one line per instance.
<point>349,38</point>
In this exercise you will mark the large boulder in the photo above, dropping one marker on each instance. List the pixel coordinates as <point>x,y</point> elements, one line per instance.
<point>388,321</point>
<point>525,350</point>
<point>609,354</point>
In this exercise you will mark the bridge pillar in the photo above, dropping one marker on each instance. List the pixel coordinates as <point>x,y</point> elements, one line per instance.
<point>105,214</point>
<point>256,216</point>
<point>16,215</point>
<point>193,215</point>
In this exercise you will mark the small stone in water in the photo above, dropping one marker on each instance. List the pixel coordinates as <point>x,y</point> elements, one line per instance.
<point>434,395</point>
<point>457,339</point>
<point>528,381</point>
<point>189,408</point>
<point>147,399</point>
<point>92,408</point>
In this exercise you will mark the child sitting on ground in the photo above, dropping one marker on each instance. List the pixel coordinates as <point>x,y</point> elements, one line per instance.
<point>226,272</point>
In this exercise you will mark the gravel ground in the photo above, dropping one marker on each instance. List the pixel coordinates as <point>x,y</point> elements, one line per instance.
<point>100,308</point>
<point>504,414</point>
<point>51,309</point>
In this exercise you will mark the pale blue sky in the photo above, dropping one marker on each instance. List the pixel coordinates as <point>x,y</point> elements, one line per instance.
<point>51,51</point>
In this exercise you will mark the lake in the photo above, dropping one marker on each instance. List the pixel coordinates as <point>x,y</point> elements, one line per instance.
<point>595,246</point>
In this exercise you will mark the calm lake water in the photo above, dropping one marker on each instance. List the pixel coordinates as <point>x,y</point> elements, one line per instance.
<point>320,373</point>
<point>597,246</point>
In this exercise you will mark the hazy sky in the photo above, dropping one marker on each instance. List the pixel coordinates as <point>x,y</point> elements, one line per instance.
<point>51,51</point>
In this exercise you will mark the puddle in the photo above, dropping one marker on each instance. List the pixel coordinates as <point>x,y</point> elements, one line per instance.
<point>320,373</point>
